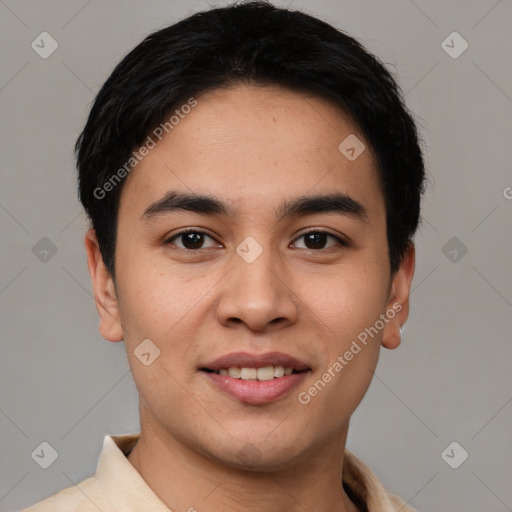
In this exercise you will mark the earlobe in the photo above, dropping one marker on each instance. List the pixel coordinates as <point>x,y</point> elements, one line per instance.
<point>398,305</point>
<point>104,290</point>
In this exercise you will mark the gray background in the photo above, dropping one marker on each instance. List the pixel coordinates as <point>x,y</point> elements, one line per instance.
<point>450,380</point>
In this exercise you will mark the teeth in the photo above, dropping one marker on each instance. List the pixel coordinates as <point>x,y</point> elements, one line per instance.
<point>265,373</point>
<point>234,372</point>
<point>248,373</point>
<point>278,371</point>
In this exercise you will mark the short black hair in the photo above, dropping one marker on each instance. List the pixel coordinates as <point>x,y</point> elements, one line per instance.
<point>255,43</point>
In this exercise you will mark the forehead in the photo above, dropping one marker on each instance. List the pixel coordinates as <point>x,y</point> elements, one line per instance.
<point>255,146</point>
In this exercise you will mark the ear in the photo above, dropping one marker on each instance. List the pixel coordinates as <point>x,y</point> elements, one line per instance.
<point>399,300</point>
<point>104,290</point>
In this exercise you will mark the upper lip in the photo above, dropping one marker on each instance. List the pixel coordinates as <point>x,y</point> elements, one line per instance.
<point>246,360</point>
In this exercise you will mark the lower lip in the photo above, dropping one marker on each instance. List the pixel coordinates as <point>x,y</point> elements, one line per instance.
<point>257,391</point>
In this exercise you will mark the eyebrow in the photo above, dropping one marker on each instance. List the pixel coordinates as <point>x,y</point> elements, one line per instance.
<point>300,206</point>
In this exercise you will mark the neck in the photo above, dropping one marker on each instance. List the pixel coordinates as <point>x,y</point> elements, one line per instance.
<point>185,479</point>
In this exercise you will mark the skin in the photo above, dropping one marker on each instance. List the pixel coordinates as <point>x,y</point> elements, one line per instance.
<point>252,147</point>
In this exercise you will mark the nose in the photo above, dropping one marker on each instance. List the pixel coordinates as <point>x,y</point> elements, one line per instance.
<point>258,293</point>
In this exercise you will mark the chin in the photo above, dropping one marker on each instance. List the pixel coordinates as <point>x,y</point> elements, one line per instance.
<point>260,455</point>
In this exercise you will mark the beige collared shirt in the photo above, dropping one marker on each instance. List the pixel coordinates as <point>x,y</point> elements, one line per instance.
<point>118,487</point>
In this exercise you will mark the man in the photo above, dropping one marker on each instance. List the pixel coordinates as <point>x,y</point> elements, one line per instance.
<point>253,181</point>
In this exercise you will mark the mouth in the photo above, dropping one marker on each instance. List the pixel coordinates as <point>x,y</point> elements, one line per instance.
<point>256,379</point>
<point>264,373</point>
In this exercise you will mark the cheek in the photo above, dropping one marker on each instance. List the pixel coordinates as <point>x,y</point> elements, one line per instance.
<point>342,310</point>
<point>159,303</point>
<point>346,302</point>
<point>154,311</point>
<point>155,296</point>
<point>346,306</point>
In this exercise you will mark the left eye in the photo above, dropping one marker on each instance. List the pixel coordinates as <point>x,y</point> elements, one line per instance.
<point>318,238</point>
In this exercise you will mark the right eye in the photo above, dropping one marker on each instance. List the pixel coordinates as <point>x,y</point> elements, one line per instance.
<point>192,239</point>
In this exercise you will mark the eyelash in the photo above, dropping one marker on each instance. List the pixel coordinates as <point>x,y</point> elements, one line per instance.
<point>341,242</point>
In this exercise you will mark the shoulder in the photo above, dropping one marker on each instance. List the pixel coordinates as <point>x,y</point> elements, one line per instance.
<point>82,497</point>
<point>367,489</point>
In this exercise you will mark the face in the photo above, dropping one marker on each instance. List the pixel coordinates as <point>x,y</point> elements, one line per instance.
<point>285,265</point>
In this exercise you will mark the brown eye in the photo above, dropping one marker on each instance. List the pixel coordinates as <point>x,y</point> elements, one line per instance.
<point>190,239</point>
<point>316,240</point>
